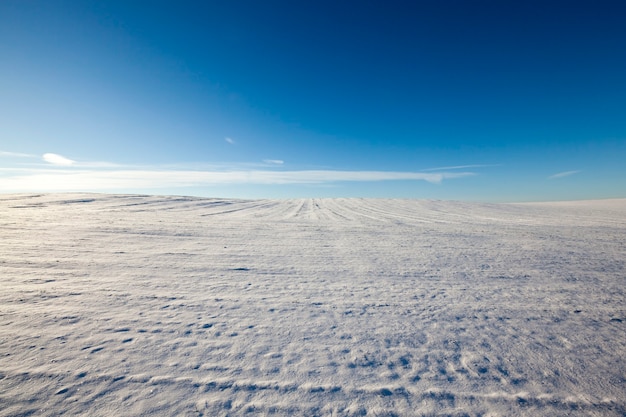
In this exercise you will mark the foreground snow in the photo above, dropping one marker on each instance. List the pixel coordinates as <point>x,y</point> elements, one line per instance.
<point>134,305</point>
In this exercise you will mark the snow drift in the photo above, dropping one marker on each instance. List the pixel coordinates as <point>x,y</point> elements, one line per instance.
<point>139,305</point>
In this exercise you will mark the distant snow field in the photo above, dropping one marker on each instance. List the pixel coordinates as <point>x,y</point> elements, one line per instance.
<point>118,305</point>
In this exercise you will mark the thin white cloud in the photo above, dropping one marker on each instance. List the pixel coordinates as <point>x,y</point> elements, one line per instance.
<point>16,155</point>
<point>563,174</point>
<point>229,140</point>
<point>274,161</point>
<point>100,164</point>
<point>98,180</point>
<point>461,167</point>
<point>54,159</point>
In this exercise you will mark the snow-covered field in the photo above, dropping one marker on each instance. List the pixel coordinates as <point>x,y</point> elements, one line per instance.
<point>136,305</point>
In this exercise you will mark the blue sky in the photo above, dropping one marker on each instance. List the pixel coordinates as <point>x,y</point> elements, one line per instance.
<point>466,100</point>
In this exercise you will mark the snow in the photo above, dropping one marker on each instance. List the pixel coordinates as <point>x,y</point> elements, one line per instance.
<point>144,305</point>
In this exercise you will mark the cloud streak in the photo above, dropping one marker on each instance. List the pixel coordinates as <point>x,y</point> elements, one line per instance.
<point>100,180</point>
<point>16,155</point>
<point>229,140</point>
<point>55,159</point>
<point>274,161</point>
<point>461,167</point>
<point>563,174</point>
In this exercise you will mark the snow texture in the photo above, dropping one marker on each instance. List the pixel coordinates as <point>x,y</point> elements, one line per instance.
<point>119,305</point>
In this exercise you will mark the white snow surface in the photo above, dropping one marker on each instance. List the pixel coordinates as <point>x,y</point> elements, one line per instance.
<point>125,305</point>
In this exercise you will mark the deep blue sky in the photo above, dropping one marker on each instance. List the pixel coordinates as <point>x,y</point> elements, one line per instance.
<point>470,100</point>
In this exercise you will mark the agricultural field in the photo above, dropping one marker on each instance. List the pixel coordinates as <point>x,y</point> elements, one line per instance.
<point>120,305</point>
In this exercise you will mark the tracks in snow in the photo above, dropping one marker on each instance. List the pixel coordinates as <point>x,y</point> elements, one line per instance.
<point>329,211</point>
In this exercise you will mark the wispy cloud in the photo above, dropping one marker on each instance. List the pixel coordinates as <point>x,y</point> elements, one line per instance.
<point>96,164</point>
<point>59,160</point>
<point>230,140</point>
<point>55,159</point>
<point>100,180</point>
<point>274,161</point>
<point>461,167</point>
<point>563,174</point>
<point>16,155</point>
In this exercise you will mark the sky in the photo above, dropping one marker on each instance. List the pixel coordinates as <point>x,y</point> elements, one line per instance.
<point>491,101</point>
